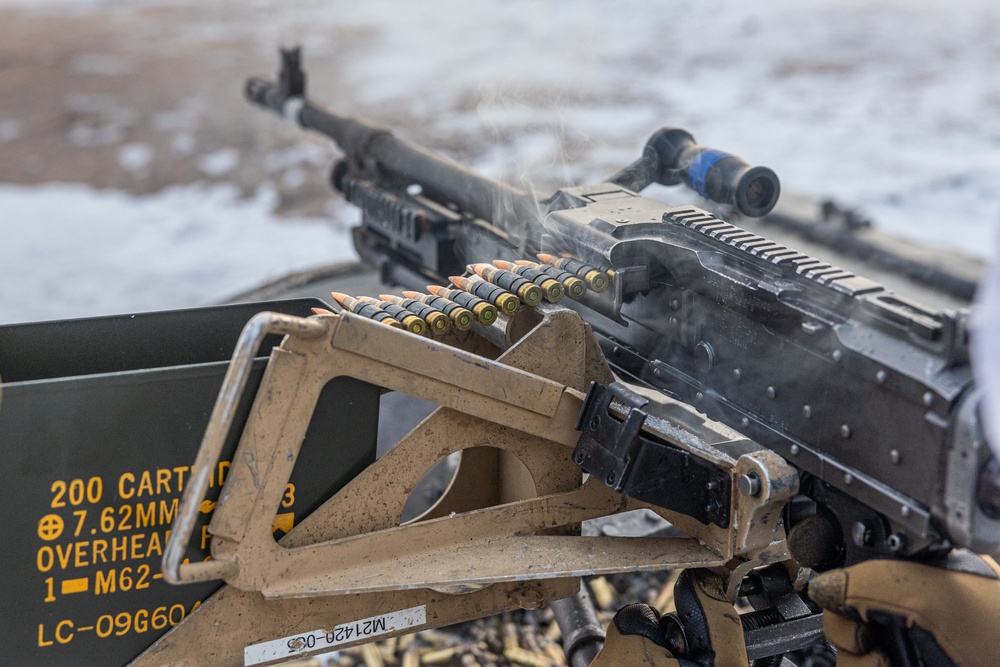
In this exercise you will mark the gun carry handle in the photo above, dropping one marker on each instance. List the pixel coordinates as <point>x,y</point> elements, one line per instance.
<point>175,570</point>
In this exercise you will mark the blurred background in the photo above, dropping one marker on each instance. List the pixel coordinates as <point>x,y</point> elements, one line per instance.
<point>133,175</point>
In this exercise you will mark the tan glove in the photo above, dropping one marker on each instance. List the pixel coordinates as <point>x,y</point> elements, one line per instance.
<point>622,649</point>
<point>944,615</point>
<point>714,634</point>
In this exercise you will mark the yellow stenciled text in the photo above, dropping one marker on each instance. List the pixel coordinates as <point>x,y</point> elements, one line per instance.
<point>114,625</point>
<point>163,481</point>
<point>85,553</point>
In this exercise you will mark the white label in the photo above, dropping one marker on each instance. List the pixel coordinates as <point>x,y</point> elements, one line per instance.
<point>323,640</point>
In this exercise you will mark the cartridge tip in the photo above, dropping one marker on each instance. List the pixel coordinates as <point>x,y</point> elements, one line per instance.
<point>322,311</point>
<point>411,295</point>
<point>501,263</point>
<point>434,289</point>
<point>340,297</point>
<point>456,280</point>
<point>544,257</point>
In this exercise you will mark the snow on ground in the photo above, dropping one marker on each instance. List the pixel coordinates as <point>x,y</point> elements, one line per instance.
<point>99,252</point>
<point>893,105</point>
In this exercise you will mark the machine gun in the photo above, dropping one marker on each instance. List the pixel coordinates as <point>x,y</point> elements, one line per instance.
<point>777,411</point>
<point>856,411</point>
<point>868,394</point>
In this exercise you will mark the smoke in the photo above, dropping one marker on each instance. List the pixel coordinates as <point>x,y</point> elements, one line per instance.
<point>534,148</point>
<point>514,162</point>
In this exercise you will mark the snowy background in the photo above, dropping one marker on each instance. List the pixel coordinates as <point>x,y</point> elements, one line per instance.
<point>134,177</point>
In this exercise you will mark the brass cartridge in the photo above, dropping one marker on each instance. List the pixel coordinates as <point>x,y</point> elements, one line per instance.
<point>358,307</point>
<point>484,311</point>
<point>436,320</point>
<point>575,288</point>
<point>411,322</point>
<point>507,302</point>
<point>460,316</point>
<point>596,279</point>
<point>527,291</point>
<point>552,289</point>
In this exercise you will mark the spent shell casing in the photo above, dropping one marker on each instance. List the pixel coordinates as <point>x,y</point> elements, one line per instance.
<point>436,320</point>
<point>358,307</point>
<point>371,656</point>
<point>596,279</point>
<point>469,660</point>
<point>484,311</point>
<point>575,287</point>
<point>524,657</point>
<point>552,289</point>
<point>526,291</point>
<point>511,640</point>
<point>460,316</point>
<point>441,656</point>
<point>508,303</point>
<point>411,322</point>
<point>411,657</point>
<point>602,591</point>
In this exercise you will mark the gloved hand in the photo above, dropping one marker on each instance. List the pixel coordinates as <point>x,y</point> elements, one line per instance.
<point>714,636</point>
<point>945,614</point>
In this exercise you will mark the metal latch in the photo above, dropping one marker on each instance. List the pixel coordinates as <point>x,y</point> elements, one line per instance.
<point>611,449</point>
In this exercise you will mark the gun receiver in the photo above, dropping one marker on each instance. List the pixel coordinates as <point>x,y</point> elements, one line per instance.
<point>869,395</point>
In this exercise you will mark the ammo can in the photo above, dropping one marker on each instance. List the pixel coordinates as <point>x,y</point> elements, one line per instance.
<point>100,420</point>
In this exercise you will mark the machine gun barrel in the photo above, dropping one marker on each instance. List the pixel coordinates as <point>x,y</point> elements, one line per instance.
<point>671,157</point>
<point>377,150</point>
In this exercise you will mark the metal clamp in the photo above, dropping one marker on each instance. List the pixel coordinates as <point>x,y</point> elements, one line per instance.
<point>670,477</point>
<point>607,447</point>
